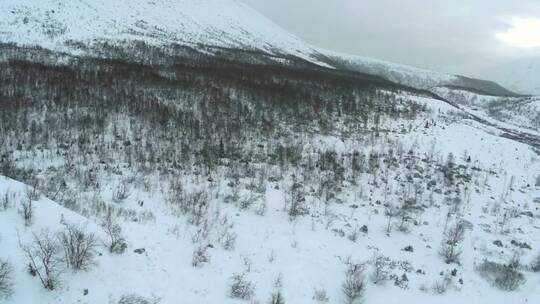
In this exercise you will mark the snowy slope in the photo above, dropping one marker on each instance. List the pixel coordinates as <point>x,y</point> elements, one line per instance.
<point>522,112</point>
<point>219,23</point>
<point>309,252</point>
<point>224,23</point>
<point>522,76</point>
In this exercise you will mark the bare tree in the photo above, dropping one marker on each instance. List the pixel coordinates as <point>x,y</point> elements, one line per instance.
<point>353,286</point>
<point>449,247</point>
<point>79,247</point>
<point>240,287</point>
<point>115,241</point>
<point>535,264</point>
<point>297,201</point>
<point>380,272</point>
<point>391,211</point>
<point>277,297</point>
<point>44,259</point>
<point>27,212</point>
<point>6,279</point>
<point>200,256</point>
<point>121,192</point>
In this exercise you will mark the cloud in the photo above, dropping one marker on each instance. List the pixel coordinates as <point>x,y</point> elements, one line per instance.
<point>457,36</point>
<point>525,33</point>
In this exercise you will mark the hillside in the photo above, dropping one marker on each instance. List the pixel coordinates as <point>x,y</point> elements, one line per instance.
<point>74,26</point>
<point>518,75</point>
<point>215,158</point>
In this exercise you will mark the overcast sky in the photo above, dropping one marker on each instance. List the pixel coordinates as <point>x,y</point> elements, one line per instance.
<point>458,36</point>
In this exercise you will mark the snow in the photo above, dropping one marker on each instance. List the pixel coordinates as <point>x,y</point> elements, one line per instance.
<point>519,113</point>
<point>308,253</point>
<point>52,24</point>
<point>520,75</point>
<point>398,73</point>
<point>222,23</point>
<point>305,253</point>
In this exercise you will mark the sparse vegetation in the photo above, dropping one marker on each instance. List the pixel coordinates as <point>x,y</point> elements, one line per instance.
<point>353,286</point>
<point>44,259</point>
<point>240,287</point>
<point>504,277</point>
<point>79,247</point>
<point>6,279</point>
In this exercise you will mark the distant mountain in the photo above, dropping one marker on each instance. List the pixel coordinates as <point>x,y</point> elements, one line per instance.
<point>522,76</point>
<point>62,25</point>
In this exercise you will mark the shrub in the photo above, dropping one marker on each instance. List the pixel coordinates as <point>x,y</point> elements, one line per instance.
<point>353,286</point>
<point>79,247</point>
<point>297,201</point>
<point>115,241</point>
<point>44,260</point>
<point>277,298</point>
<point>380,272</point>
<point>320,296</point>
<point>240,287</point>
<point>27,212</point>
<point>200,256</point>
<point>6,279</point>
<point>535,264</point>
<point>121,192</point>
<point>441,286</point>
<point>504,277</point>
<point>449,247</point>
<point>136,299</point>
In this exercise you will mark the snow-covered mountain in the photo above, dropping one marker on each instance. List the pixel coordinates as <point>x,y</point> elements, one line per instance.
<point>223,23</point>
<point>57,24</point>
<point>237,164</point>
<point>522,76</point>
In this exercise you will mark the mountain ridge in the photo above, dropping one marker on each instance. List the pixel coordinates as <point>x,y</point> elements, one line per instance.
<point>57,24</point>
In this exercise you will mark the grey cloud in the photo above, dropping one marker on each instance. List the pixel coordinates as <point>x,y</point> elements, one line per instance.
<point>451,36</point>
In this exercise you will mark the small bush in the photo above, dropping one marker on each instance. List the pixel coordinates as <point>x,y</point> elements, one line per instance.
<point>6,279</point>
<point>353,286</point>
<point>121,192</point>
<point>380,272</point>
<point>44,259</point>
<point>27,212</point>
<point>276,298</point>
<point>320,296</point>
<point>535,264</point>
<point>449,246</point>
<point>240,287</point>
<point>441,286</point>
<point>136,299</point>
<point>504,277</point>
<point>200,256</point>
<point>79,247</point>
<point>115,240</point>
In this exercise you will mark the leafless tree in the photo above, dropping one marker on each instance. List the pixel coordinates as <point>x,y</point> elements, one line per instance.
<point>200,256</point>
<point>121,192</point>
<point>6,279</point>
<point>79,247</point>
<point>44,259</point>
<point>354,286</point>
<point>391,211</point>
<point>449,247</point>
<point>27,212</point>
<point>115,241</point>
<point>240,287</point>
<point>380,272</point>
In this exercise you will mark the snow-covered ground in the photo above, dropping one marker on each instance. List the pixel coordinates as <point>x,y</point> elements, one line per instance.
<point>456,170</point>
<point>519,113</point>
<point>309,252</point>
